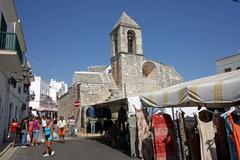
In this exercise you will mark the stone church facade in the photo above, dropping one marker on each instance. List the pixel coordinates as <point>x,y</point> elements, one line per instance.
<point>129,74</point>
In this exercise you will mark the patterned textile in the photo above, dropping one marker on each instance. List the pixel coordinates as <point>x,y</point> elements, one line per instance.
<point>144,136</point>
<point>163,137</point>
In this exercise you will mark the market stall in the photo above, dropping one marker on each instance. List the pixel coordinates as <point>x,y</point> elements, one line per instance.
<point>159,136</point>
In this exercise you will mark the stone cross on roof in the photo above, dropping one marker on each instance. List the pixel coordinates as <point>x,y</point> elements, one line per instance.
<point>127,21</point>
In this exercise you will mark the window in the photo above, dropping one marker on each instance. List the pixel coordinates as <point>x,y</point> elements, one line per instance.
<point>227,70</point>
<point>19,90</point>
<point>1,109</point>
<point>3,24</point>
<point>3,29</point>
<point>16,113</point>
<point>26,88</point>
<point>131,41</point>
<point>116,43</point>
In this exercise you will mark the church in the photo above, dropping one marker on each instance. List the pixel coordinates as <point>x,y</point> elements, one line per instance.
<point>129,73</point>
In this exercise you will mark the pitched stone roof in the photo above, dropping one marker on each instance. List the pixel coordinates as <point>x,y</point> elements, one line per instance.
<point>97,68</point>
<point>127,21</point>
<point>87,77</point>
<point>104,76</point>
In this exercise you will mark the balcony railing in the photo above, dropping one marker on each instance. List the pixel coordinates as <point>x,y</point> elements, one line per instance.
<point>9,41</point>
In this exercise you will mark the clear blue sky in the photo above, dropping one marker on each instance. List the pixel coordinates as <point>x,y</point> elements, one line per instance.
<point>64,36</point>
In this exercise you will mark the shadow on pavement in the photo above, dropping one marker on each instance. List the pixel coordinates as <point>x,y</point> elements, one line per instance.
<point>124,148</point>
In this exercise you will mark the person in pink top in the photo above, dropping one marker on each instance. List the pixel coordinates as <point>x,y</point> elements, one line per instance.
<point>35,131</point>
<point>30,130</point>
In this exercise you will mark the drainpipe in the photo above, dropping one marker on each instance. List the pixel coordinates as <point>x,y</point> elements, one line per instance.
<point>125,92</point>
<point>14,27</point>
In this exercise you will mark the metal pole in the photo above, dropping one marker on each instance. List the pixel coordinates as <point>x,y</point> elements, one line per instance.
<point>125,92</point>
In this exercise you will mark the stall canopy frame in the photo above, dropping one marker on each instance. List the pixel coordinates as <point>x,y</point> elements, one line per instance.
<point>217,91</point>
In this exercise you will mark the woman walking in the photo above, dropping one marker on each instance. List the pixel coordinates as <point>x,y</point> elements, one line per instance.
<point>30,130</point>
<point>35,131</point>
<point>24,131</point>
<point>48,134</point>
<point>72,126</point>
<point>13,131</point>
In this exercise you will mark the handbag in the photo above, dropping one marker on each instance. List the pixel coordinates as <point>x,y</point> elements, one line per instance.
<point>54,135</point>
<point>28,138</point>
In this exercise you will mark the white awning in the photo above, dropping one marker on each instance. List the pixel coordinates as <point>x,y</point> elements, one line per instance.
<point>214,91</point>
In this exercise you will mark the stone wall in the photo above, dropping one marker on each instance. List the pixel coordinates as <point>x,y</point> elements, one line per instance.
<point>131,73</point>
<point>88,94</point>
<point>66,106</point>
<point>93,93</point>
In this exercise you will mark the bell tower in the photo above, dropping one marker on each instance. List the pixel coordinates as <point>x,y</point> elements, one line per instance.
<point>126,50</point>
<point>126,37</point>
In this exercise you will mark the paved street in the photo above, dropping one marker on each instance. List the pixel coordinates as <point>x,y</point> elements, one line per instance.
<point>81,148</point>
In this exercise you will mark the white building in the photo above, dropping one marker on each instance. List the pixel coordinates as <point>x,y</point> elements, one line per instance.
<point>228,64</point>
<point>57,89</point>
<point>46,94</point>
<point>40,87</point>
<point>15,71</point>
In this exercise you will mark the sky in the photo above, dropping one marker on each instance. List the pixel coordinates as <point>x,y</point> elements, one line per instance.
<point>63,36</point>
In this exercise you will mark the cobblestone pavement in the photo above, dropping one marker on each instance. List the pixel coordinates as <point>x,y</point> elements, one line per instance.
<point>75,148</point>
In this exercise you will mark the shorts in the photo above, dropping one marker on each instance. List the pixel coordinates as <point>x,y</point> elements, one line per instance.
<point>35,134</point>
<point>13,135</point>
<point>61,131</point>
<point>48,137</point>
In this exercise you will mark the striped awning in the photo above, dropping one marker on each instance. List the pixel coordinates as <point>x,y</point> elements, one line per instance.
<point>42,109</point>
<point>217,90</point>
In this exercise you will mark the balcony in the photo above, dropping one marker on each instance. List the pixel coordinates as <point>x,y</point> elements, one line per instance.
<point>31,96</point>
<point>11,56</point>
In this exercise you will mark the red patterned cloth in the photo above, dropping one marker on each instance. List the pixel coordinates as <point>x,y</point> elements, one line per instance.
<point>163,137</point>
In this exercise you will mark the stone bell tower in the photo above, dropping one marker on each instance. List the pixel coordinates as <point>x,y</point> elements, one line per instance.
<point>126,52</point>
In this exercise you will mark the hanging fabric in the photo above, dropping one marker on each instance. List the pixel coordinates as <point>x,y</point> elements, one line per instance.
<point>231,143</point>
<point>220,138</point>
<point>182,133</point>
<point>177,141</point>
<point>163,126</point>
<point>236,134</point>
<point>207,138</point>
<point>193,142</point>
<point>145,145</point>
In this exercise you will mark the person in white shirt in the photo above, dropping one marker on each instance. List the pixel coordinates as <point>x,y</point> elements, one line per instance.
<point>61,124</point>
<point>44,123</point>
<point>72,126</point>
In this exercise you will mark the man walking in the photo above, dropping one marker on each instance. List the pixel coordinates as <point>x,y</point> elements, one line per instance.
<point>61,124</point>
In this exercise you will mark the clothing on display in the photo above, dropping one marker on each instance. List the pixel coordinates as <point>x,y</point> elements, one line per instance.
<point>182,133</point>
<point>143,133</point>
<point>178,142</point>
<point>220,138</point>
<point>193,142</point>
<point>207,139</point>
<point>162,125</point>
<point>231,143</point>
<point>236,134</point>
